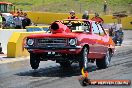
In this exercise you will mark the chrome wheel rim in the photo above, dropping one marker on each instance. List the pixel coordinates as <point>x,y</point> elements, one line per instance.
<point>107,58</point>
<point>85,58</point>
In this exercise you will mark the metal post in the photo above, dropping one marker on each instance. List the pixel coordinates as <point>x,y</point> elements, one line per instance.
<point>80,7</point>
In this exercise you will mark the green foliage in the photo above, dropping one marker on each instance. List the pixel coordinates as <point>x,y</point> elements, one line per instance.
<point>77,5</point>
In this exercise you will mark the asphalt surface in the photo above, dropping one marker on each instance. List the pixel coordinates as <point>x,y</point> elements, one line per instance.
<point>19,74</point>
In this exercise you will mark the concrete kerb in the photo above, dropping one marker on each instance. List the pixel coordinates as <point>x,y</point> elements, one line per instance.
<point>4,59</point>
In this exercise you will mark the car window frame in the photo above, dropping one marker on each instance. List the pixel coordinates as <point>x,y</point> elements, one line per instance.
<point>104,33</point>
<point>88,30</point>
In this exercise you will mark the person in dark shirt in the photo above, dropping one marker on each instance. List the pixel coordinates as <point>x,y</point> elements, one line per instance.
<point>3,21</point>
<point>85,15</point>
<point>25,21</point>
<point>105,7</point>
<point>118,38</point>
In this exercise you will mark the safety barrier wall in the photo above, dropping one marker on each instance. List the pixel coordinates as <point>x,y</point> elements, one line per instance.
<point>48,18</point>
<point>15,47</point>
<point>5,34</point>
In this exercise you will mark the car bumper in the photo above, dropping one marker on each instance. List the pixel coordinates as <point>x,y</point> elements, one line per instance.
<point>58,49</point>
<point>53,47</point>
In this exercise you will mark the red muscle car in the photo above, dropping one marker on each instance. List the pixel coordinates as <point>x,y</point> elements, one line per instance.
<point>71,40</point>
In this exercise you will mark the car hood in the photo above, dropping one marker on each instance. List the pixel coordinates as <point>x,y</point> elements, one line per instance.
<point>57,35</point>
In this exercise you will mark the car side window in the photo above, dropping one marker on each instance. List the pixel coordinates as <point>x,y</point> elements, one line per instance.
<point>86,27</point>
<point>95,28</point>
<point>101,31</point>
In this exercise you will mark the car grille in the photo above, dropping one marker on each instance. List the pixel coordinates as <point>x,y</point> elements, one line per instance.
<point>52,41</point>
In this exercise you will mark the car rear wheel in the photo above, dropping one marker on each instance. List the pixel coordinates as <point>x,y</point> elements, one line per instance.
<point>105,62</point>
<point>83,60</point>
<point>34,61</point>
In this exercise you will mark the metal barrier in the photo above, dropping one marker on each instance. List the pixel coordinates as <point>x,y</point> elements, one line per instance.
<point>15,47</point>
<point>48,18</point>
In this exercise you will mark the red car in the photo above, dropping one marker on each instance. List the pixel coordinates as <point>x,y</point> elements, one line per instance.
<point>71,40</point>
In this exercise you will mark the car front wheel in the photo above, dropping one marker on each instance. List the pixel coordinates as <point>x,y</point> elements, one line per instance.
<point>105,62</point>
<point>34,61</point>
<point>83,60</point>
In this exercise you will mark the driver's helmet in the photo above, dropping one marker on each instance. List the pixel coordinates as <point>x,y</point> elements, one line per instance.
<point>72,13</point>
<point>86,12</point>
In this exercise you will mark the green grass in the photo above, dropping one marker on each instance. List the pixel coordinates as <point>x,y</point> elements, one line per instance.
<point>77,5</point>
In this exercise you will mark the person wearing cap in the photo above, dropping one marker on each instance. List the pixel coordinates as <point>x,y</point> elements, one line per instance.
<point>85,15</point>
<point>72,15</point>
<point>97,18</point>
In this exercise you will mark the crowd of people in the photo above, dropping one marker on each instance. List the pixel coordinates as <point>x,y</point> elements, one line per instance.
<point>96,18</point>
<point>19,20</point>
<point>115,31</point>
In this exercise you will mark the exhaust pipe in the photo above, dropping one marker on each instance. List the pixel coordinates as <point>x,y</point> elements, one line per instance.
<point>58,27</point>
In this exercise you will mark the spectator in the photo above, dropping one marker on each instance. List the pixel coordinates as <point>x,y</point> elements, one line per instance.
<point>18,22</point>
<point>72,15</point>
<point>97,18</point>
<point>21,13</point>
<point>25,21</point>
<point>18,12</point>
<point>105,7</point>
<point>3,21</point>
<point>85,15</point>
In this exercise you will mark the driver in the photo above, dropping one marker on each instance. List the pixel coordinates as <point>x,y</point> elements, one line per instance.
<point>72,15</point>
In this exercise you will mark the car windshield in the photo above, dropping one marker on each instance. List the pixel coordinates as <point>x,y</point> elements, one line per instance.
<point>77,25</point>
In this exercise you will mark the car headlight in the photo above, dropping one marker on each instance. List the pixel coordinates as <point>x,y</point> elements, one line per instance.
<point>72,41</point>
<point>30,42</point>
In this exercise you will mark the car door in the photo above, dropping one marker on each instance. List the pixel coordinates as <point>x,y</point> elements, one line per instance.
<point>104,39</point>
<point>89,39</point>
<point>97,39</point>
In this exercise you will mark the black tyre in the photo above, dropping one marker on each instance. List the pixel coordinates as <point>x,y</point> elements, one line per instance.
<point>105,62</point>
<point>66,64</point>
<point>83,58</point>
<point>34,61</point>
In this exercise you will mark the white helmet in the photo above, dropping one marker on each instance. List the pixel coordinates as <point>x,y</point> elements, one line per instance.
<point>86,12</point>
<point>72,12</point>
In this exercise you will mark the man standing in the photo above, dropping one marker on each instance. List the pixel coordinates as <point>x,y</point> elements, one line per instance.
<point>97,18</point>
<point>105,7</point>
<point>85,15</point>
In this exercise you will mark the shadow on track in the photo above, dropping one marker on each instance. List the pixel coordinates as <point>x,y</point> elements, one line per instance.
<point>56,71</point>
